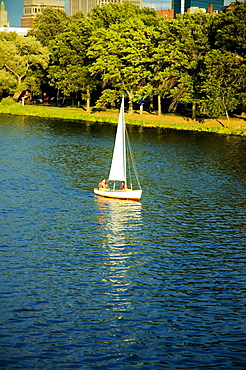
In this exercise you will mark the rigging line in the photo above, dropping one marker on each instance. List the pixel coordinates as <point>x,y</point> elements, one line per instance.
<point>132,159</point>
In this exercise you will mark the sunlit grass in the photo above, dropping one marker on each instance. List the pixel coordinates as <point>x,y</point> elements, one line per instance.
<point>8,106</point>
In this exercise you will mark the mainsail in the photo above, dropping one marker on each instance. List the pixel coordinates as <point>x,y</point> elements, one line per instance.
<point>118,166</point>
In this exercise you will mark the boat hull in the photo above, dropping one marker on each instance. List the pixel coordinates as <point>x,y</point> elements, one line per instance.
<point>120,194</point>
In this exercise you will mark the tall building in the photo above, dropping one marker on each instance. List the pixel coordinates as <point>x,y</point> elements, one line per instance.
<point>74,6</point>
<point>3,16</point>
<point>86,5</point>
<point>34,7</point>
<point>182,6</point>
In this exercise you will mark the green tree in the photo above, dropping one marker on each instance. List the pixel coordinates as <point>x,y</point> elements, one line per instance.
<point>186,54</point>
<point>228,30</point>
<point>228,34</point>
<point>7,82</point>
<point>50,23</point>
<point>163,78</point>
<point>223,80</point>
<point>121,55</point>
<point>178,56</point>
<point>117,13</point>
<point>23,62</point>
<point>149,17</point>
<point>69,66</point>
<point>8,36</point>
<point>76,16</point>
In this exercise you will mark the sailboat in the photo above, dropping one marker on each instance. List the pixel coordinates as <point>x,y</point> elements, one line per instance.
<point>118,165</point>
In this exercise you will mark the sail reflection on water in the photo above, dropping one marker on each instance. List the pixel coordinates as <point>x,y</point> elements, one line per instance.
<point>120,224</point>
<point>120,221</point>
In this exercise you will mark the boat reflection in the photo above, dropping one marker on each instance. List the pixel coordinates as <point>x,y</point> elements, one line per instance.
<point>121,221</point>
<point>120,224</point>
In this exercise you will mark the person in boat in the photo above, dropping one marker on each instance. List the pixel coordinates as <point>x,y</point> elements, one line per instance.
<point>122,186</point>
<point>102,185</point>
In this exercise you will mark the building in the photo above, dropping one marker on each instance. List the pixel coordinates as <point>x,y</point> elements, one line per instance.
<point>5,25</point>
<point>229,7</point>
<point>34,7</point>
<point>166,13</point>
<point>3,16</point>
<point>83,5</point>
<point>74,6</point>
<point>18,30</point>
<point>86,5</point>
<point>182,6</point>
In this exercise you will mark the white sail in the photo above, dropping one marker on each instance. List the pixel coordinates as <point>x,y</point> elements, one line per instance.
<point>118,166</point>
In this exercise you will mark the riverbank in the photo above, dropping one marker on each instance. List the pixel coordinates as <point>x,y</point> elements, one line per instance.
<point>237,125</point>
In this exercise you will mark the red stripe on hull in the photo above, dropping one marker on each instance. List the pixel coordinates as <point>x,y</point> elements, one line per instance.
<point>106,196</point>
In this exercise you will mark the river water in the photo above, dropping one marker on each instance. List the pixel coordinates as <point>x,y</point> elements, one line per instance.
<point>87,282</point>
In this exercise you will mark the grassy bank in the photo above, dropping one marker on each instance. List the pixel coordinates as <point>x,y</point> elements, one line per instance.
<point>237,125</point>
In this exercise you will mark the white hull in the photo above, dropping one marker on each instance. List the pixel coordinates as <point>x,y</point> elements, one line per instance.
<point>120,194</point>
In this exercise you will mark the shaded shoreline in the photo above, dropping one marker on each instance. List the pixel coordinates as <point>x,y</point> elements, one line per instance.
<point>237,125</point>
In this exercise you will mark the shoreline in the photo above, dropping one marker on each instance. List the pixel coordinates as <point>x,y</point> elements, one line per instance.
<point>237,124</point>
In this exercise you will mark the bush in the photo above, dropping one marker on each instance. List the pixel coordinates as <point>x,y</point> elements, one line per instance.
<point>8,101</point>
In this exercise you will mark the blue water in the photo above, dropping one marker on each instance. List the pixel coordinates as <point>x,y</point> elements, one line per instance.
<point>87,282</point>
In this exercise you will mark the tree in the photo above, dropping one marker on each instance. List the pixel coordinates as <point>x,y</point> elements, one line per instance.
<point>22,62</point>
<point>163,79</point>
<point>228,34</point>
<point>228,30</point>
<point>8,36</point>
<point>223,80</point>
<point>113,13</point>
<point>7,82</point>
<point>149,17</point>
<point>190,47</point>
<point>50,23</point>
<point>121,55</point>
<point>179,48</point>
<point>69,67</point>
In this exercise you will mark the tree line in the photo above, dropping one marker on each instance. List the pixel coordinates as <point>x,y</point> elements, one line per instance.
<point>117,49</point>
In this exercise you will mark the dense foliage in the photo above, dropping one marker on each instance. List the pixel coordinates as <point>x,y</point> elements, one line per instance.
<point>23,62</point>
<point>118,49</point>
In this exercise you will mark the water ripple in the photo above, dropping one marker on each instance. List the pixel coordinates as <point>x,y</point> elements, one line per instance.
<point>88,282</point>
